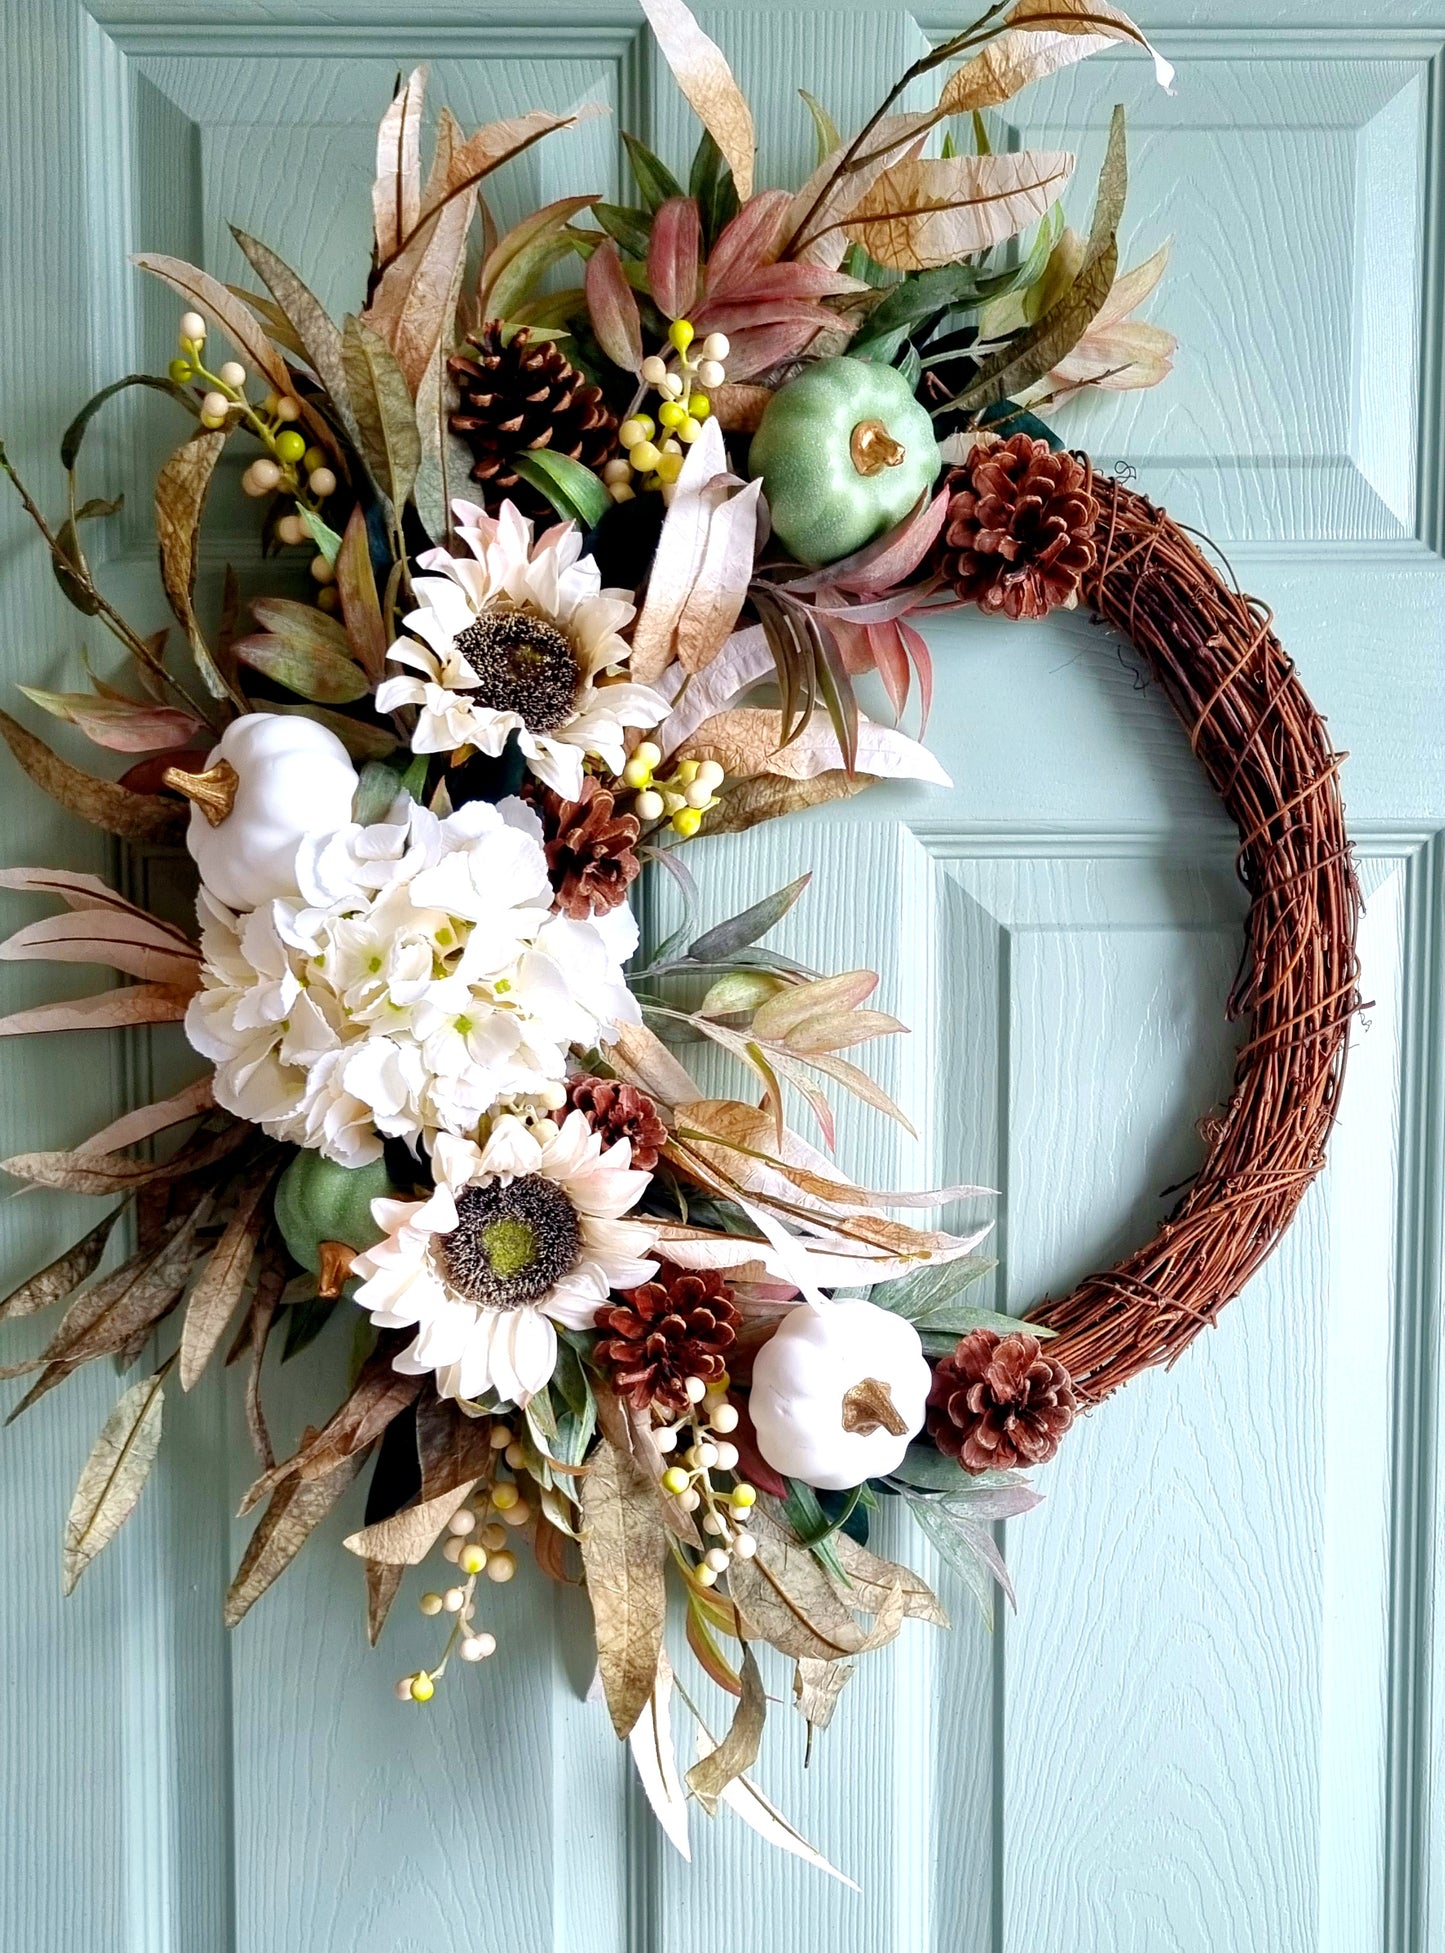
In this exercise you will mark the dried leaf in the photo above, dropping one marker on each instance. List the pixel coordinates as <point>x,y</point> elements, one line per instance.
<point>673,256</point>
<point>748,803</point>
<point>738,1751</point>
<point>929,211</point>
<point>396,193</point>
<point>133,1003</point>
<point>379,1394</point>
<point>1042,36</point>
<point>1085,19</point>
<point>82,1171</point>
<point>180,499</point>
<point>383,1584</point>
<point>749,741</point>
<point>122,939</point>
<point>701,71</point>
<point>656,1759</point>
<point>121,725</point>
<point>385,415</point>
<point>296,1510</point>
<point>360,604</point>
<point>746,1801</point>
<point>873,1581</point>
<point>817,1688</point>
<point>415,302</point>
<point>223,1279</point>
<point>316,334</point>
<point>270,1285</point>
<point>786,1599</point>
<point>148,817</point>
<point>612,307</point>
<point>122,1305</point>
<point>218,302</point>
<point>641,1057</point>
<point>61,1277</point>
<point>114,1475</point>
<point>444,463</point>
<point>624,1555</point>
<point>408,1536</point>
<point>813,223</point>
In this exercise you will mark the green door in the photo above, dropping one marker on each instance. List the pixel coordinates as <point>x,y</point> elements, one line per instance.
<point>1210,1725</point>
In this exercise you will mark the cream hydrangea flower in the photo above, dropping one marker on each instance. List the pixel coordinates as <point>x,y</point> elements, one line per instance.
<point>520,1233</point>
<point>419,980</point>
<point>516,639</point>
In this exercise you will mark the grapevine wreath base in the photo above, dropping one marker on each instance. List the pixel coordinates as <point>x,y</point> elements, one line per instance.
<point>1268,756</point>
<point>600,518</point>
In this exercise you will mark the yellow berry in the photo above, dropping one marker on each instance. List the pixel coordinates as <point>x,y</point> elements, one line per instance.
<point>423,1688</point>
<point>744,1496</point>
<point>686,822</point>
<point>314,458</point>
<point>637,773</point>
<point>645,457</point>
<point>291,446</point>
<point>669,467</point>
<point>180,371</point>
<point>472,1559</point>
<point>681,334</point>
<point>672,413</point>
<point>430,1604</point>
<point>699,406</point>
<point>687,771</point>
<point>689,430</point>
<point>505,1496</point>
<point>674,1480</point>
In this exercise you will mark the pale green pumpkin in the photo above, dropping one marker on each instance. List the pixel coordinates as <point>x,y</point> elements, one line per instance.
<point>844,452</point>
<point>317,1200</point>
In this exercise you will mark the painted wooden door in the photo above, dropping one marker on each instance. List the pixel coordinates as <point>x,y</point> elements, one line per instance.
<point>1211,1723</point>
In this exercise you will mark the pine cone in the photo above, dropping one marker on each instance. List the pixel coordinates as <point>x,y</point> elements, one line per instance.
<point>672,1328</point>
<point>520,396</point>
<point>619,1111</point>
<point>590,849</point>
<point>1019,534</point>
<point>999,1401</point>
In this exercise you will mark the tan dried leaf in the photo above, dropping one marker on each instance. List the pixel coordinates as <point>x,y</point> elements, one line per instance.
<point>874,1580</point>
<point>929,211</point>
<point>114,1474</point>
<point>630,1432</point>
<point>129,1301</point>
<point>407,1537</point>
<point>378,1395</point>
<point>748,740</point>
<point>180,500</point>
<point>146,1120</point>
<point>133,1003</point>
<point>738,1750</point>
<point>222,1281</point>
<point>109,1173</point>
<point>748,803</point>
<point>294,1513</point>
<point>656,1758</point>
<point>640,1056</point>
<point>383,1584</point>
<point>786,1599</point>
<point>818,1687</point>
<point>153,817</point>
<point>701,71</point>
<point>122,939</point>
<point>624,1556</point>
<point>385,415</point>
<point>62,1276</point>
<point>791,1007</point>
<point>218,302</point>
<point>396,193</point>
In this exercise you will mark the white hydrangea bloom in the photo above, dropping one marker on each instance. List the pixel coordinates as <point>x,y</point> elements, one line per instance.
<point>520,1233</point>
<point>516,639</point>
<point>419,980</point>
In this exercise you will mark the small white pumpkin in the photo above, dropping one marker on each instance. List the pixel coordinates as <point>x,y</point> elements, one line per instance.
<point>273,779</point>
<point>838,1392</point>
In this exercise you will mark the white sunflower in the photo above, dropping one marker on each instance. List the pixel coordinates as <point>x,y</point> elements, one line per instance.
<point>517,638</point>
<point>520,1234</point>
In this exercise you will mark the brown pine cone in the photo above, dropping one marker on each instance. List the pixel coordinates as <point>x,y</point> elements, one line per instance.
<point>672,1328</point>
<point>1019,534</point>
<point>520,396</point>
<point>999,1401</point>
<point>591,848</point>
<point>619,1111</point>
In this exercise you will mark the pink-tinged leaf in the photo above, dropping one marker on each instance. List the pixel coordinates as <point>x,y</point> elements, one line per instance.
<point>136,1003</point>
<point>613,309</point>
<point>120,724</point>
<point>701,71</point>
<point>760,348</point>
<point>745,314</point>
<point>777,282</point>
<point>916,646</point>
<point>360,605</point>
<point>673,255</point>
<point>742,661</point>
<point>217,302</point>
<point>121,940</point>
<point>890,558</point>
<point>747,242</point>
<point>147,1120</point>
<point>396,193</point>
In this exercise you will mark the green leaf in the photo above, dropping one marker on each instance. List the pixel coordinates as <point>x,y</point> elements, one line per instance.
<point>710,184</point>
<point>385,415</point>
<point>739,930</point>
<point>1055,334</point>
<point>824,127</point>
<point>655,181</point>
<point>929,1470</point>
<point>315,331</point>
<point>980,135</point>
<point>631,228</point>
<point>304,650</point>
<point>376,789</point>
<point>574,491</point>
<point>325,539</point>
<point>71,439</point>
<point>362,740</point>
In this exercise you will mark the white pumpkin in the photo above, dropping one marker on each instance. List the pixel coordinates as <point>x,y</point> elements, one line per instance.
<point>273,779</point>
<point>838,1392</point>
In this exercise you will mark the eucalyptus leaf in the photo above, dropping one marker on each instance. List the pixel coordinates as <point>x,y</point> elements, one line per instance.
<point>968,1546</point>
<point>385,414</point>
<point>928,1470</point>
<point>325,538</point>
<point>740,930</point>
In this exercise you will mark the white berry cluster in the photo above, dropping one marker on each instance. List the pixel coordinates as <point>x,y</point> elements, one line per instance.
<point>722,1513</point>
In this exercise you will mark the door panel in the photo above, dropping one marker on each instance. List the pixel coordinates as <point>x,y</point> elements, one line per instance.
<point>1209,1725</point>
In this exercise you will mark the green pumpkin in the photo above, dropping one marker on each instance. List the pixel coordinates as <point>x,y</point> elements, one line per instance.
<point>844,452</point>
<point>317,1200</point>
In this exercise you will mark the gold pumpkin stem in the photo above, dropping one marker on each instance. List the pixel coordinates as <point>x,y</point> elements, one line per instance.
<point>335,1258</point>
<point>873,448</point>
<point>868,1405</point>
<point>213,791</point>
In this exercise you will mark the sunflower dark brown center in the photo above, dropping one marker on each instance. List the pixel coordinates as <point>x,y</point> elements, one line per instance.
<point>523,665</point>
<point>511,1243</point>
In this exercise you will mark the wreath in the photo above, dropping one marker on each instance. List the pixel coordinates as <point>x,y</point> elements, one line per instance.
<point>560,573</point>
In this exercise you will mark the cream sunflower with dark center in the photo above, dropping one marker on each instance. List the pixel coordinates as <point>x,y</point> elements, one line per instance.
<point>519,638</point>
<point>521,1233</point>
